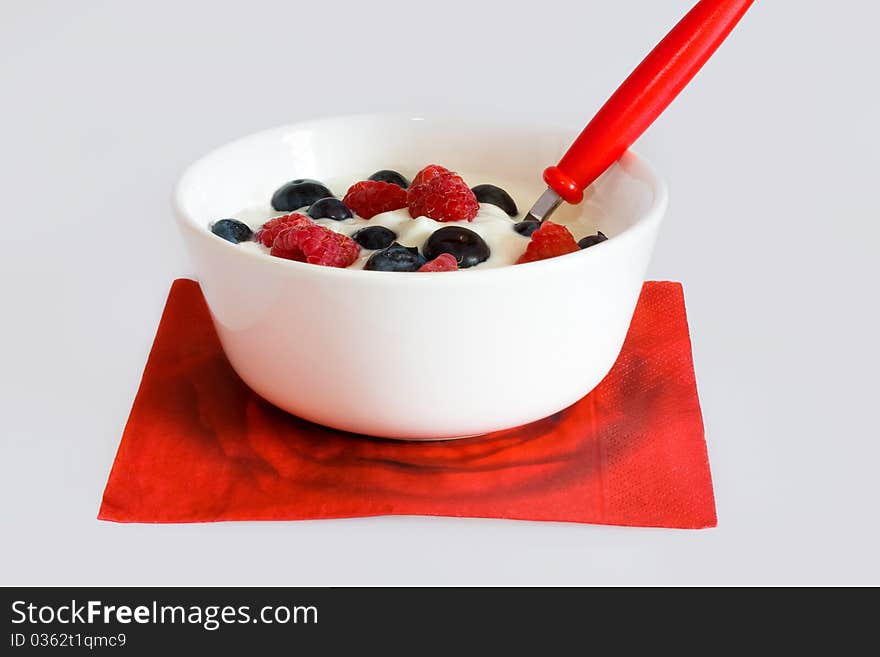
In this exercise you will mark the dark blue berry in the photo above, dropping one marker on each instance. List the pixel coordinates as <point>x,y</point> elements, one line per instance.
<point>527,227</point>
<point>390,176</point>
<point>232,230</point>
<point>298,194</point>
<point>468,248</point>
<point>329,208</point>
<point>590,240</point>
<point>375,237</point>
<point>496,196</point>
<point>396,258</point>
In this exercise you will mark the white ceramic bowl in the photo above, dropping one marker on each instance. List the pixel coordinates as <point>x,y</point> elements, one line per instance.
<point>418,355</point>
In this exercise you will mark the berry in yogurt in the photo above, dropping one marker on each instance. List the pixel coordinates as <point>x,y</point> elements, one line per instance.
<point>443,262</point>
<point>591,240</point>
<point>548,241</point>
<point>329,208</point>
<point>429,173</point>
<point>375,237</point>
<point>468,248</point>
<point>496,196</point>
<point>436,223</point>
<point>442,196</point>
<point>315,245</point>
<point>396,257</point>
<point>527,227</point>
<point>371,197</point>
<point>232,230</point>
<point>391,176</point>
<point>298,194</point>
<point>272,228</point>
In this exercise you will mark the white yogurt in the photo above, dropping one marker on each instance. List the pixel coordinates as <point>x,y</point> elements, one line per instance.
<point>491,223</point>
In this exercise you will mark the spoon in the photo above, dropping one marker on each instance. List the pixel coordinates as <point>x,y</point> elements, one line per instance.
<point>642,97</point>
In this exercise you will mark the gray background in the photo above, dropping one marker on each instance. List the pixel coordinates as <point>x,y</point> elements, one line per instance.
<point>772,159</point>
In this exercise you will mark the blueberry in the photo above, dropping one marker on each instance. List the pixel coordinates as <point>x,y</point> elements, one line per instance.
<point>329,208</point>
<point>527,227</point>
<point>298,194</point>
<point>375,237</point>
<point>232,230</point>
<point>496,196</point>
<point>590,240</point>
<point>396,258</point>
<point>468,248</point>
<point>389,176</point>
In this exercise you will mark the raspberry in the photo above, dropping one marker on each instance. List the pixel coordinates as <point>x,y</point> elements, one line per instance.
<point>443,262</point>
<point>316,245</point>
<point>549,241</point>
<point>429,172</point>
<point>370,197</point>
<point>444,197</point>
<point>269,231</point>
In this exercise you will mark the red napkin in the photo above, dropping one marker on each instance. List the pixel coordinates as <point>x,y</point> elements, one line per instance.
<point>199,446</point>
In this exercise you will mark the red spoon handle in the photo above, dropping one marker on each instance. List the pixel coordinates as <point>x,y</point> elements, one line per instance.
<point>644,95</point>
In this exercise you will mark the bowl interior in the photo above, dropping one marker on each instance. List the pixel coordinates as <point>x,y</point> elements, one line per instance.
<point>339,151</point>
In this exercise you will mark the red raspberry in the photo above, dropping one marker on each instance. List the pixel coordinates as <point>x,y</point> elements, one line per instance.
<point>269,231</point>
<point>370,197</point>
<point>316,245</point>
<point>443,262</point>
<point>549,241</point>
<point>445,197</point>
<point>429,172</point>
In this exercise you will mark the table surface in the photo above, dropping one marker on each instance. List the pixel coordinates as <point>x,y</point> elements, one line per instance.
<point>772,159</point>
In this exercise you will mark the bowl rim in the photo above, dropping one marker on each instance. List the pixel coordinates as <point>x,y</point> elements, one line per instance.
<point>651,216</point>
